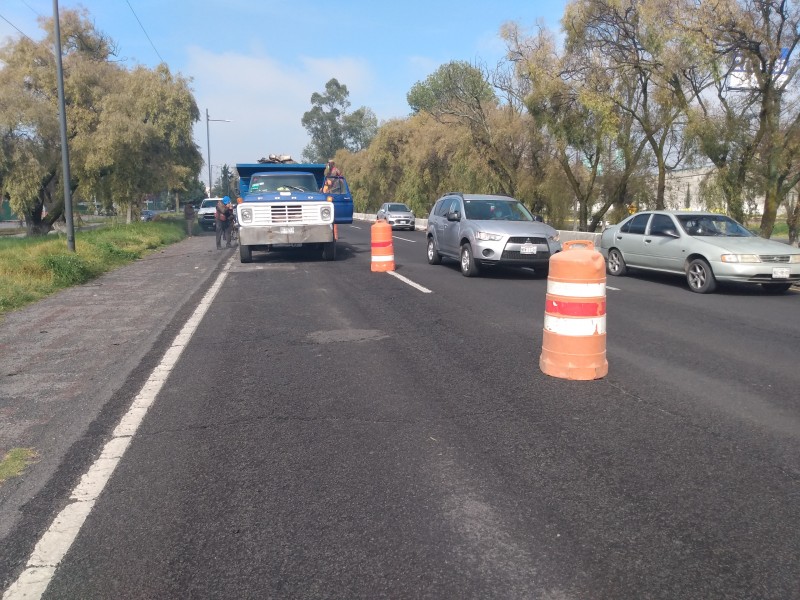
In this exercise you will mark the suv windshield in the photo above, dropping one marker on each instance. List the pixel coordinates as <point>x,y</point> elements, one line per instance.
<point>299,182</point>
<point>716,225</point>
<point>209,203</point>
<point>398,208</point>
<point>496,210</point>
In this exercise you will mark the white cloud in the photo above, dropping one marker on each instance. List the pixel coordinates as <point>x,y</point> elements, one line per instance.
<point>264,99</point>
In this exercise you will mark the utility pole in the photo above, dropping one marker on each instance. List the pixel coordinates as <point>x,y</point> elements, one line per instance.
<point>64,149</point>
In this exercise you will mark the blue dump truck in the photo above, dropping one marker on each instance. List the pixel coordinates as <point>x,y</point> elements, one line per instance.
<point>289,204</point>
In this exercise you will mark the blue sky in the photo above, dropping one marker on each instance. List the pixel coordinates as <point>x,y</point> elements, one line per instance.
<point>257,63</point>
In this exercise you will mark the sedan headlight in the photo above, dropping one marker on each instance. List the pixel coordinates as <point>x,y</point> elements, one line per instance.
<point>325,213</point>
<point>488,237</point>
<point>794,258</point>
<point>740,258</point>
<point>246,215</point>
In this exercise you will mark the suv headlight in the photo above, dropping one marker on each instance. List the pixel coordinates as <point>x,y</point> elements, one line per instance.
<point>794,258</point>
<point>246,215</point>
<point>555,237</point>
<point>487,237</point>
<point>740,258</point>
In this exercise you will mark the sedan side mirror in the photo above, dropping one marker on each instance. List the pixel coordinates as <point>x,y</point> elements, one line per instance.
<point>671,233</point>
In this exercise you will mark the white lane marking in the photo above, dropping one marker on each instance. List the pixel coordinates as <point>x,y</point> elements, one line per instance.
<point>397,237</point>
<point>422,289</point>
<point>608,287</point>
<point>57,540</point>
<point>355,227</point>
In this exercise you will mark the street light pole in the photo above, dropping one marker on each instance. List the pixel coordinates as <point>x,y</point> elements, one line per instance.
<point>208,146</point>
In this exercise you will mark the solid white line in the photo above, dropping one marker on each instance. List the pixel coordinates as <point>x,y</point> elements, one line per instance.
<point>56,541</point>
<point>422,289</point>
<point>608,287</point>
<point>397,237</point>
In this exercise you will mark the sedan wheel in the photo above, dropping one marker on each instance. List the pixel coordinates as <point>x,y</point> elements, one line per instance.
<point>700,277</point>
<point>469,268</point>
<point>434,258</point>
<point>616,264</point>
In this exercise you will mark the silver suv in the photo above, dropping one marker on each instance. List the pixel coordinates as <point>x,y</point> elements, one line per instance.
<point>481,230</point>
<point>397,215</point>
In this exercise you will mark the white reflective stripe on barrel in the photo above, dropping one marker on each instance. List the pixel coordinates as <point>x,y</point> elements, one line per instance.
<point>383,258</point>
<point>575,327</point>
<point>576,290</point>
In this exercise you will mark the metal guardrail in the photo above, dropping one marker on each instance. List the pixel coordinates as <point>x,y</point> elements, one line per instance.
<point>564,235</point>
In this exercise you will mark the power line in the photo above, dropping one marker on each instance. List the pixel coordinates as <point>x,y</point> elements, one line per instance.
<point>145,32</point>
<point>15,27</point>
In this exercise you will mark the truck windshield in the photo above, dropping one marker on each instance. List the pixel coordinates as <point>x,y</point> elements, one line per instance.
<point>285,182</point>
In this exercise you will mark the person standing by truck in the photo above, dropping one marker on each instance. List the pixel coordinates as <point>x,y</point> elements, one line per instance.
<point>188,214</point>
<point>224,214</point>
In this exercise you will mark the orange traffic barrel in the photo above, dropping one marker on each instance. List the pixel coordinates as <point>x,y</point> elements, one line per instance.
<point>382,247</point>
<point>574,340</point>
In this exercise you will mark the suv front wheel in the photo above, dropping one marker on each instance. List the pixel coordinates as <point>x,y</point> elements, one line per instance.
<point>469,267</point>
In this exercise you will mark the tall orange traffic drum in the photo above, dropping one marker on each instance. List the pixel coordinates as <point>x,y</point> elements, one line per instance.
<point>574,340</point>
<point>382,247</point>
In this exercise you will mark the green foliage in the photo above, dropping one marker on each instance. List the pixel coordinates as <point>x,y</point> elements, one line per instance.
<point>332,128</point>
<point>32,268</point>
<point>14,462</point>
<point>67,269</point>
<point>130,131</point>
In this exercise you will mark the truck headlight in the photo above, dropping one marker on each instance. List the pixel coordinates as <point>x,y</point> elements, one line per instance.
<point>325,212</point>
<point>246,215</point>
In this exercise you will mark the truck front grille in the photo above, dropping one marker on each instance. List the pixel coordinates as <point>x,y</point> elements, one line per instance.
<point>300,213</point>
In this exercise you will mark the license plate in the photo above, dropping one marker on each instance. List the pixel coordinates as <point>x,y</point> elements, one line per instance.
<point>780,273</point>
<point>527,249</point>
<point>291,230</point>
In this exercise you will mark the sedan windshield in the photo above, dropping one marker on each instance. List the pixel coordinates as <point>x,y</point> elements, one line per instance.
<point>712,225</point>
<point>496,210</point>
<point>298,182</point>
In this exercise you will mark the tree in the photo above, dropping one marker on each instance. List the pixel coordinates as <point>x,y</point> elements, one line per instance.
<point>332,128</point>
<point>130,132</point>
<point>227,184</point>
<point>640,42</point>
<point>31,169</point>
<point>460,93</point>
<point>752,133</point>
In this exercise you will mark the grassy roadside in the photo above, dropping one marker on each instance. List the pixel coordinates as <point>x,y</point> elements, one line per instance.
<point>33,268</point>
<point>14,463</point>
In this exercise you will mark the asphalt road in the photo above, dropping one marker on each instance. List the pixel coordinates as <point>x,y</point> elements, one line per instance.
<point>329,432</point>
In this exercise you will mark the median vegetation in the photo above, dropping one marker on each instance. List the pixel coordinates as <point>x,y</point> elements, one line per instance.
<point>33,268</point>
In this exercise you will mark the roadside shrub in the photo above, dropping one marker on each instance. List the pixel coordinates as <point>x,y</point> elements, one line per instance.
<point>67,269</point>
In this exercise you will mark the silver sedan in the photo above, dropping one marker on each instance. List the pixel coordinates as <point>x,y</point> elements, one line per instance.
<point>705,247</point>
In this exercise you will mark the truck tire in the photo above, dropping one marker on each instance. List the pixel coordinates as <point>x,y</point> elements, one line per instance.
<point>329,250</point>
<point>245,254</point>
